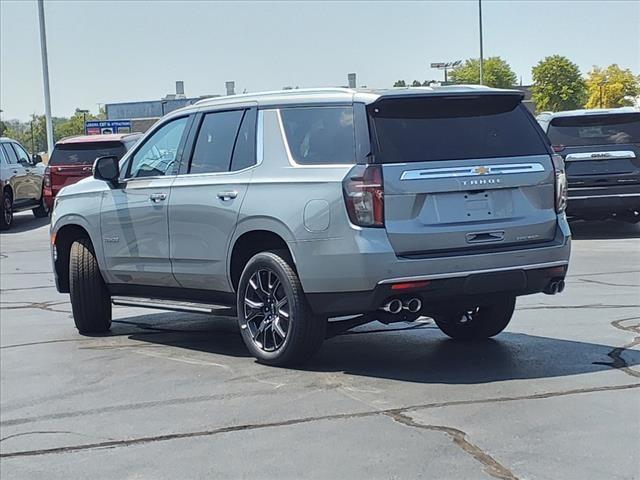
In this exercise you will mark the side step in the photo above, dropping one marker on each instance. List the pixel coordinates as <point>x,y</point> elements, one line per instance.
<point>174,305</point>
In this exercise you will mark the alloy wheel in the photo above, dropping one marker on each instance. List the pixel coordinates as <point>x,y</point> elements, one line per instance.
<point>266,310</point>
<point>8,210</point>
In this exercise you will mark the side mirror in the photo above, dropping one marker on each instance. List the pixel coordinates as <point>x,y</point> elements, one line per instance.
<point>107,169</point>
<point>36,159</point>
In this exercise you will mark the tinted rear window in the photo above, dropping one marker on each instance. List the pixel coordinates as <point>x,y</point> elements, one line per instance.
<point>84,153</point>
<point>320,135</point>
<point>454,128</point>
<point>595,129</point>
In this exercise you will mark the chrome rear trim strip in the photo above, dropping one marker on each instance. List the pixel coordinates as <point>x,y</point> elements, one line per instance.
<point>473,171</point>
<point>440,276</point>
<point>575,157</point>
<point>613,195</point>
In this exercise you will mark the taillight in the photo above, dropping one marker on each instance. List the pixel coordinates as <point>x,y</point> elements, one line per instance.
<point>364,195</point>
<point>558,148</point>
<point>47,177</point>
<point>560,184</point>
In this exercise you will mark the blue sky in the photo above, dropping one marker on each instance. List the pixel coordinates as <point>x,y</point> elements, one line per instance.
<point>102,52</point>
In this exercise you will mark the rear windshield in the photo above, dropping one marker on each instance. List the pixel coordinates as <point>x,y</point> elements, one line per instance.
<point>84,153</point>
<point>320,135</point>
<point>595,129</point>
<point>454,128</point>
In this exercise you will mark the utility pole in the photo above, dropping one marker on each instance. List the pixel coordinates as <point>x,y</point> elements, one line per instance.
<point>45,77</point>
<point>481,53</point>
<point>33,143</point>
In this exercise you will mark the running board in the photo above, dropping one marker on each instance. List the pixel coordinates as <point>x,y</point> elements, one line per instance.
<point>173,305</point>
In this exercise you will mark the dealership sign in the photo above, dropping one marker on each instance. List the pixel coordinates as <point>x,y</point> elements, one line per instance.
<point>96,127</point>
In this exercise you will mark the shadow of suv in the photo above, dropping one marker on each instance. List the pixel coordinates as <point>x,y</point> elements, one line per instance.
<point>290,208</point>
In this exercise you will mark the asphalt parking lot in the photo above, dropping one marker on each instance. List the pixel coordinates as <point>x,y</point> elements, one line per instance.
<point>172,395</point>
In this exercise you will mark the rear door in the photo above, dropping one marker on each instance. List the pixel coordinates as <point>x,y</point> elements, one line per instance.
<point>71,162</point>
<point>600,150</point>
<point>206,199</point>
<point>462,173</point>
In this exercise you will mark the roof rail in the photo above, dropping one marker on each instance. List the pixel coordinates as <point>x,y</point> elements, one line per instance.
<point>277,92</point>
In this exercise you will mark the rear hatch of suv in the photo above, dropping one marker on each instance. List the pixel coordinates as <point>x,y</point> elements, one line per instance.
<point>600,150</point>
<point>71,162</point>
<point>462,173</point>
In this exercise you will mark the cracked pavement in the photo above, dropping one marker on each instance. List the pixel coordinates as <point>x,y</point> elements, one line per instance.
<point>174,395</point>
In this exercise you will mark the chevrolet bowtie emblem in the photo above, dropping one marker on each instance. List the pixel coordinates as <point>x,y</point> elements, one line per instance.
<point>481,170</point>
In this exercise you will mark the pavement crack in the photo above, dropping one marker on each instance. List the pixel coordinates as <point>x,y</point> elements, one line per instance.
<point>491,466</point>
<point>609,284</point>
<point>576,307</point>
<point>36,432</point>
<point>46,306</point>
<point>26,288</point>
<point>618,362</point>
<point>257,426</point>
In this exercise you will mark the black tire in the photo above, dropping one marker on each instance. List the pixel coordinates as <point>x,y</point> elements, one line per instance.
<point>90,299</point>
<point>41,211</point>
<point>305,331</point>
<point>480,322</point>
<point>6,211</point>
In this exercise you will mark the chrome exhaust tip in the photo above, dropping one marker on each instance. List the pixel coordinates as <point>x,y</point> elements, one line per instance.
<point>552,288</point>
<point>392,306</point>
<point>414,305</point>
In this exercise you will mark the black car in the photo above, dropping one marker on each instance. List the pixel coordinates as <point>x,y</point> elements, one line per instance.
<point>601,150</point>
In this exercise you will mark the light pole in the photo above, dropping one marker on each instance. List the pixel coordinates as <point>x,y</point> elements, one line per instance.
<point>45,77</point>
<point>481,52</point>
<point>33,143</point>
<point>602,85</point>
<point>84,119</point>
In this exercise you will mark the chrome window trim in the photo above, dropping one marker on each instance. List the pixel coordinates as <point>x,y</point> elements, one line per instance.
<point>290,158</point>
<point>472,171</point>
<point>576,157</point>
<point>259,155</point>
<point>440,276</point>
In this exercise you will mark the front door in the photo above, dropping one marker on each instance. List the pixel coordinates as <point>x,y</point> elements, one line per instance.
<point>206,201</point>
<point>33,181</point>
<point>133,219</point>
<point>17,176</point>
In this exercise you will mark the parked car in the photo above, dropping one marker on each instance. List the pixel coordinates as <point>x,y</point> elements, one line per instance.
<point>290,208</point>
<point>21,179</point>
<point>72,158</point>
<point>601,150</point>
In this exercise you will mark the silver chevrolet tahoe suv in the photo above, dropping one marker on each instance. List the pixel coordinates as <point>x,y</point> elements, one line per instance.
<point>308,212</point>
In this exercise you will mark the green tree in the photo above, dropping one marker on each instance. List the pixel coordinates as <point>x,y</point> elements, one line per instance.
<point>416,83</point>
<point>400,83</point>
<point>557,84</point>
<point>611,87</point>
<point>495,72</point>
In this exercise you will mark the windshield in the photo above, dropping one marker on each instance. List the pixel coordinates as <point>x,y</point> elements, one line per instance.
<point>85,153</point>
<point>431,129</point>
<point>595,129</point>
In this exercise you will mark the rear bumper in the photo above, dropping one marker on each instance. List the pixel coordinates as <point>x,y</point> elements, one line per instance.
<point>461,288</point>
<point>606,200</point>
<point>352,275</point>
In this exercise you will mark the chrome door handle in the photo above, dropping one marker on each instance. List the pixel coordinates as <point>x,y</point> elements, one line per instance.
<point>227,195</point>
<point>157,197</point>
